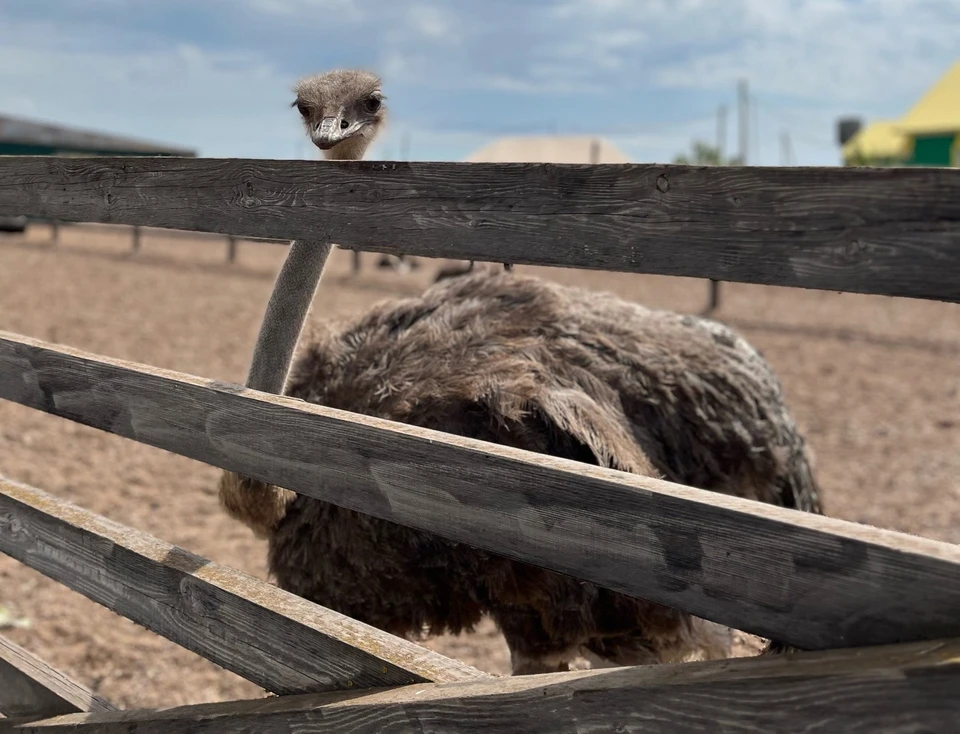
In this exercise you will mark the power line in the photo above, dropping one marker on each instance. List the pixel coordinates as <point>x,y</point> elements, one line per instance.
<point>553,128</point>
<point>792,125</point>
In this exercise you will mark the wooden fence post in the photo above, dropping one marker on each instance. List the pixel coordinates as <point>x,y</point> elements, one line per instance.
<point>714,299</point>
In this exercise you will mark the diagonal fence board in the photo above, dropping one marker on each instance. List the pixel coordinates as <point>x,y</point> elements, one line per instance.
<point>899,689</point>
<point>811,581</point>
<point>213,610</point>
<point>890,231</point>
<point>29,687</point>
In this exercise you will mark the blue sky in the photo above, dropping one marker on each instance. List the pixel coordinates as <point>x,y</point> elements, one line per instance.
<point>646,74</point>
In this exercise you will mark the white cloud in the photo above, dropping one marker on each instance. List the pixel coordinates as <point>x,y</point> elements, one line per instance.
<point>838,50</point>
<point>220,103</point>
<point>342,9</point>
<point>432,22</point>
<point>538,81</point>
<point>466,65</point>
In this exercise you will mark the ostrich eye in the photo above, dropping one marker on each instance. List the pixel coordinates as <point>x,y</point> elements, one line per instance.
<point>372,104</point>
<point>303,109</point>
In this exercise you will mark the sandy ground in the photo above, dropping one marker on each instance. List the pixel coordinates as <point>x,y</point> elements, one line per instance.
<point>873,382</point>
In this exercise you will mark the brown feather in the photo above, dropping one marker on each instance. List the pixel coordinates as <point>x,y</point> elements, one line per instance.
<point>523,362</point>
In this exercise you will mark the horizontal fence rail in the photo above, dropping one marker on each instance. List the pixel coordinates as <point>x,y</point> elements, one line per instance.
<point>811,581</point>
<point>893,232</point>
<point>215,611</point>
<point>899,689</point>
<point>29,688</point>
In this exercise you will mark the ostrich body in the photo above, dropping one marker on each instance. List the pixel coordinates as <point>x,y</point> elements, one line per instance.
<point>518,361</point>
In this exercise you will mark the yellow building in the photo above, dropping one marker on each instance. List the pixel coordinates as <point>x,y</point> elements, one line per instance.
<point>933,123</point>
<point>927,135</point>
<point>878,144</point>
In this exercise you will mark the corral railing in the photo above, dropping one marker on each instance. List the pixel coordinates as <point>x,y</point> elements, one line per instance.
<point>816,582</point>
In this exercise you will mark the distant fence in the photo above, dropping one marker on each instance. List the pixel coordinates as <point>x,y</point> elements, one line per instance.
<point>137,232</point>
<point>815,582</point>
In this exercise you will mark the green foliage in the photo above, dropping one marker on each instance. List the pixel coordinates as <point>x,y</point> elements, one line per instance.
<point>704,154</point>
<point>859,159</point>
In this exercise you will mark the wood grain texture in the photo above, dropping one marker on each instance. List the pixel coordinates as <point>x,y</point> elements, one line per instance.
<point>275,639</point>
<point>29,688</point>
<point>812,581</point>
<point>888,231</point>
<point>898,690</point>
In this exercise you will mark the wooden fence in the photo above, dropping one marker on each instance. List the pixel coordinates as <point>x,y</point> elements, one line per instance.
<point>877,611</point>
<point>137,236</point>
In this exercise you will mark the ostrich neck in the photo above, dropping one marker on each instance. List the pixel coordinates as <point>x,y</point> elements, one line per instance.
<point>293,292</point>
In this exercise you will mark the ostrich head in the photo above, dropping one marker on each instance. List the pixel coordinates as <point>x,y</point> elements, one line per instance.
<point>342,111</point>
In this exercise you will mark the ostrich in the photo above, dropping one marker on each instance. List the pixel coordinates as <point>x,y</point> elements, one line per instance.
<point>353,101</point>
<point>453,271</point>
<point>520,361</point>
<point>346,96</point>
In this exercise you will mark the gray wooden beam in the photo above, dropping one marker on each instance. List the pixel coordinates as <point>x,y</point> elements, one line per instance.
<point>811,581</point>
<point>29,688</point>
<point>894,690</point>
<point>215,611</point>
<point>891,231</point>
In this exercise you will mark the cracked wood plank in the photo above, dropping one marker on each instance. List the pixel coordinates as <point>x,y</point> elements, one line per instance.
<point>279,641</point>
<point>30,688</point>
<point>888,231</point>
<point>897,689</point>
<point>814,582</point>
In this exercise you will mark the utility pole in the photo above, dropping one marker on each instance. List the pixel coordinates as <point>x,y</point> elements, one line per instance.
<point>743,109</point>
<point>755,129</point>
<point>786,152</point>
<point>722,130</point>
<point>404,156</point>
<point>744,101</point>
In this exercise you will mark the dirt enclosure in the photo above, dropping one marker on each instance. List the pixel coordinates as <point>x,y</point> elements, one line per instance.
<point>872,381</point>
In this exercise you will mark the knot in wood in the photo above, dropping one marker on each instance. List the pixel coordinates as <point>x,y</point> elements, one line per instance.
<point>662,184</point>
<point>854,248</point>
<point>248,195</point>
<point>11,526</point>
<point>197,600</point>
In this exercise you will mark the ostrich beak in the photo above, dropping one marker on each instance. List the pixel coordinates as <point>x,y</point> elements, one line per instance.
<point>327,133</point>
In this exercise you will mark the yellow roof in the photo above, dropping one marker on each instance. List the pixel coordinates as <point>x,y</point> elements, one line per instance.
<point>881,139</point>
<point>938,111</point>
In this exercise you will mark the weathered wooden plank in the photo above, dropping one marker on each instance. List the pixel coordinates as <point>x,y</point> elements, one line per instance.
<point>886,231</point>
<point>898,690</point>
<point>812,581</point>
<point>211,609</point>
<point>31,688</point>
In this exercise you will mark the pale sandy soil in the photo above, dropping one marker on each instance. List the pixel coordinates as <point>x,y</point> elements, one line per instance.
<point>872,381</point>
